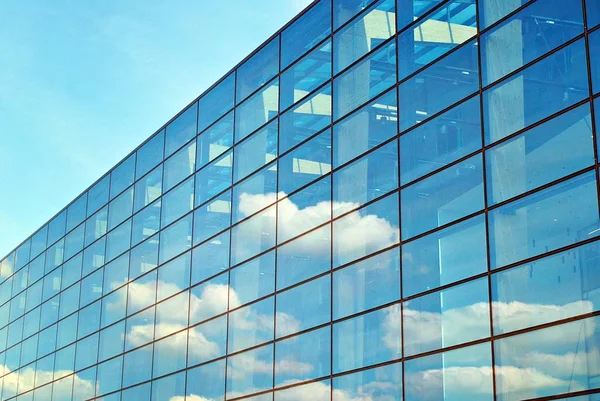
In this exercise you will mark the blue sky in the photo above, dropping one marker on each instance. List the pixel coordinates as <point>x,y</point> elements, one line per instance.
<point>82,83</point>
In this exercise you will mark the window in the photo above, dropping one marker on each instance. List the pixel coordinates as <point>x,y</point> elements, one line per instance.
<point>181,130</point>
<point>257,70</point>
<point>257,110</point>
<point>150,154</point>
<point>216,102</point>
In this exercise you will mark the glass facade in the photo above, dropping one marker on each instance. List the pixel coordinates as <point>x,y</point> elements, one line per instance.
<point>389,200</point>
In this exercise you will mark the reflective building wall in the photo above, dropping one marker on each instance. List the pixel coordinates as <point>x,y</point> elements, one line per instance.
<point>389,200</point>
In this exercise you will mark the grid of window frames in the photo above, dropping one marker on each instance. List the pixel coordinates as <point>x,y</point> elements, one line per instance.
<point>390,200</point>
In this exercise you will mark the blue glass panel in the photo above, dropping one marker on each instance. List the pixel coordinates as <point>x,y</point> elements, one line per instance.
<point>109,376</point>
<point>442,198</point>
<point>74,241</point>
<point>113,307</point>
<point>120,208</point>
<point>556,82</point>
<point>69,300</point>
<point>373,27</point>
<point>308,30</point>
<point>210,258</point>
<point>141,392</point>
<point>150,154</point>
<point>255,151</point>
<point>555,217</point>
<point>89,319</point>
<point>250,372</point>
<point>91,288</point>
<point>257,110</point>
<point>367,339</point>
<point>446,256</point>
<point>309,349</point>
<point>366,230</point>
<point>169,388</point>
<point>54,256</point>
<point>437,34</point>
<point>75,213</point>
<point>251,325</point>
<point>56,227</point>
<point>38,241</point>
<point>139,328</point>
<point>93,256</point>
<point>255,193</point>
<point>490,11</point>
<point>212,218</point>
<point>306,119</point>
<point>122,176</point>
<point>116,273</point>
<point>365,80</point>
<point>368,178</point>
<point>177,202</point>
<point>176,239</point>
<point>144,257</point>
<point>367,284</point>
<point>253,236</point>
<point>169,355</point>
<point>179,166</point>
<point>137,366</point>
<point>410,10</point>
<point>209,299</point>
<point>537,156</point>
<point>214,141</point>
<point>36,268</point>
<point>207,341</point>
<point>96,226</point>
<point>252,280</point>
<point>97,197</point>
<point>438,86</point>
<point>216,102</point>
<point>207,381</point>
<point>214,178</point>
<point>365,128</point>
<point>174,276</point>
<point>344,10</point>
<point>148,189</point>
<point>440,141</point>
<point>320,391</point>
<point>141,294</point>
<point>111,341</point>
<point>87,351</point>
<point>382,383</point>
<point>593,15</point>
<point>181,130</point>
<point>306,75</point>
<point>257,70</point>
<point>146,223</point>
<point>594,43</point>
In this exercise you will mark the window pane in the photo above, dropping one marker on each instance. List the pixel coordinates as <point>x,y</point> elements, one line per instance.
<point>176,239</point>
<point>440,141</point>
<point>257,110</point>
<point>54,256</point>
<point>442,198</point>
<point>144,257</point>
<point>216,102</point>
<point>383,383</point>
<point>438,86</point>
<point>56,228</point>
<point>91,288</point>
<point>253,236</point>
<point>116,273</point>
<point>169,356</point>
<point>434,36</point>
<point>137,366</point>
<point>255,193</point>
<point>214,178</point>
<point>558,216</point>
<point>122,176</point>
<point>174,276</point>
<point>363,34</point>
<point>212,218</point>
<point>367,284</point>
<point>251,325</point>
<point>367,339</point>
<point>490,11</point>
<point>141,294</point>
<point>368,178</point>
<point>74,241</point>
<point>210,258</point>
<point>256,151</point>
<point>259,69</point>
<point>146,223</point>
<point>207,341</point>
<point>148,189</point>
<point>344,10</point>
<point>89,319</point>
<point>214,141</point>
<point>207,381</point>
<point>516,42</point>
<point>252,280</point>
<point>93,256</point>
<point>537,157</point>
<point>306,75</point>
<point>365,80</point>
<point>366,230</point>
<point>446,256</point>
<point>250,372</point>
<point>75,214</point>
<point>178,202</point>
<point>312,349</point>
<point>304,306</point>
<point>549,289</point>
<point>410,10</point>
<point>150,154</point>
<point>96,226</point>
<point>593,16</point>
<point>38,241</point>
<point>533,93</point>
<point>181,130</point>
<point>114,307</point>
<point>97,197</point>
<point>315,391</point>
<point>109,376</point>
<point>209,299</point>
<point>449,317</point>
<point>120,208</point>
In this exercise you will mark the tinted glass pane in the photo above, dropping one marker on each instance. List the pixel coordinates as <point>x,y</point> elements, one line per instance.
<point>383,383</point>
<point>250,372</point>
<point>209,299</point>
<point>38,241</point>
<point>181,130</point>
<point>364,33</point>
<point>176,239</point>
<point>150,154</point>
<point>122,176</point>
<point>410,10</point>
<point>178,202</point>
<point>365,80</point>
<point>120,208</point>
<point>252,280</point>
<point>207,381</point>
<point>491,11</point>
<point>216,102</point>
<point>97,197</point>
<point>179,166</point>
<point>109,376</point>
<point>212,218</point>
<point>309,349</point>
<point>74,241</point>
<point>56,228</point>
<point>210,258</point>
<point>214,178</point>
<point>169,356</point>
<point>257,110</point>
<point>144,257</point>
<point>251,325</point>
<point>214,141</point>
<point>255,152</point>
<point>594,42</point>
<point>75,213</point>
<point>308,30</point>
<point>255,193</point>
<point>593,14</point>
<point>96,226</point>
<point>148,189</point>
<point>137,366</point>
<point>93,256</point>
<point>344,10</point>
<point>558,216</point>
<point>146,223</point>
<point>256,71</point>
<point>207,341</point>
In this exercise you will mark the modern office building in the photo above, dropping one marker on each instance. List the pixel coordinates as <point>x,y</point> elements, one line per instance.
<point>389,200</point>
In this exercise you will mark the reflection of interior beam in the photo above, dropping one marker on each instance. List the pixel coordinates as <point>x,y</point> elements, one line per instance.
<point>443,32</point>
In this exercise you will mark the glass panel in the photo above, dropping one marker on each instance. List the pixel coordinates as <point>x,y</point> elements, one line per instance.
<point>181,130</point>
<point>140,328</point>
<point>593,19</point>
<point>212,218</point>
<point>516,41</point>
<point>75,213</point>
<point>148,189</point>
<point>253,236</point>
<point>365,80</point>
<point>210,258</point>
<point>36,268</point>
<point>216,102</point>
<point>304,306</point>
<point>56,228</point>
<point>250,372</point>
<point>146,223</point>
<point>305,32</point>
<point>558,216</point>
<point>251,325</point>
<point>252,280</point>
<point>111,341</point>
<point>256,151</point>
<point>555,82</point>
<point>446,256</point>
<point>257,110</point>
<point>306,75</point>
<point>551,361</point>
<point>311,352</point>
<point>449,317</point>
<point>74,241</point>
<point>67,332</point>
<point>137,366</point>
<point>93,256</point>
<point>553,288</point>
<point>214,178</point>
<point>490,11</point>
<point>207,341</point>
<point>383,383</point>
<point>209,299</point>
<point>38,241</point>
<point>141,293</point>
<point>97,197</point>
<point>434,36</point>
<point>367,339</point>
<point>122,176</point>
<point>363,34</point>
<point>170,355</point>
<point>114,306</point>
<point>69,300</point>
<point>178,202</point>
<point>51,285</point>
<point>257,70</point>
<point>120,209</point>
<point>207,381</point>
<point>304,257</point>
<point>118,240</point>
<point>367,284</point>
<point>176,239</point>
<point>344,10</point>
<point>317,391</point>
<point>305,164</point>
<point>180,166</point>
<point>366,230</point>
<point>410,10</point>
<point>442,198</point>
<point>440,141</point>
<point>109,376</point>
<point>91,288</point>
<point>255,193</point>
<point>141,392</point>
<point>87,351</point>
<point>144,257</point>
<point>89,319</point>
<point>169,388</point>
<point>368,178</point>
<point>96,226</point>
<point>150,154</point>
<point>462,374</point>
<point>214,141</point>
<point>438,86</point>
<point>174,276</point>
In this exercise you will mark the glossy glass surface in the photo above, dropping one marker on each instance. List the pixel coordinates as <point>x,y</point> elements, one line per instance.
<point>257,70</point>
<point>181,130</point>
<point>216,102</point>
<point>257,110</point>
